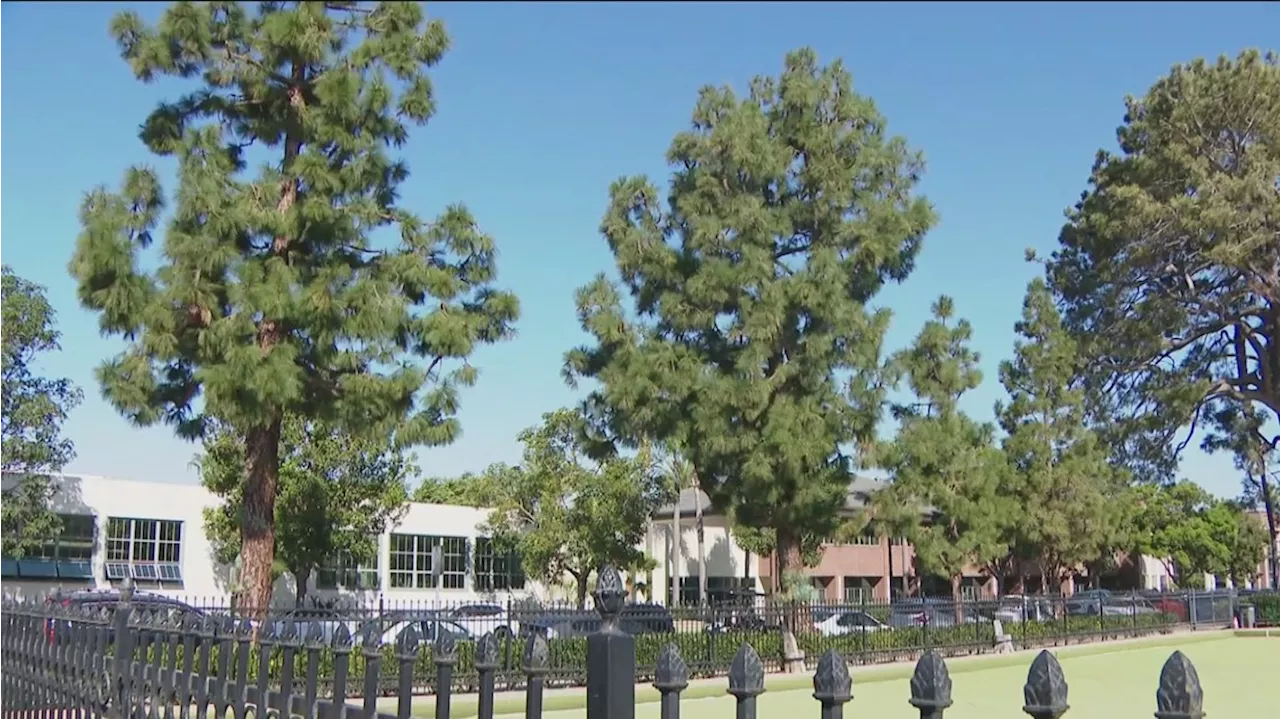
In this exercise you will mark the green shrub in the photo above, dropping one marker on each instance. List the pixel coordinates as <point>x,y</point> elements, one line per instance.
<point>706,653</point>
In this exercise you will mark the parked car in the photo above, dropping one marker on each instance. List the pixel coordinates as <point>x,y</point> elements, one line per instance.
<point>305,618</point>
<point>429,626</point>
<point>1015,608</point>
<point>1101,602</point>
<point>109,599</point>
<point>841,622</point>
<point>481,618</point>
<point>930,613</point>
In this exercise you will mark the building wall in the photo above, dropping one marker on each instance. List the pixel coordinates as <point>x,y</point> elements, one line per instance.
<point>725,559</point>
<point>206,581</point>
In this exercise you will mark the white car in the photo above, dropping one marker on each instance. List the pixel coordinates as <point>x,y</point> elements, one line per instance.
<point>843,622</point>
<point>481,618</point>
<point>428,629</point>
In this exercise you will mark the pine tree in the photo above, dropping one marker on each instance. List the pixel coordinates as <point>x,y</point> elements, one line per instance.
<point>753,346</point>
<point>942,463</point>
<point>1070,498</point>
<point>337,493</point>
<point>1167,266</point>
<point>272,295</point>
<point>34,409</point>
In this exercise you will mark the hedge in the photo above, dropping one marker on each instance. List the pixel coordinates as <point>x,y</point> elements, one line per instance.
<point>706,653</point>
<point>1266,607</point>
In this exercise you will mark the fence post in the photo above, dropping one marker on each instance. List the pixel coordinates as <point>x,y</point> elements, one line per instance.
<point>407,654</point>
<point>611,654</point>
<point>1180,695</point>
<point>746,680</point>
<point>931,686</point>
<point>444,652</point>
<point>537,662</point>
<point>1046,688</point>
<point>832,684</point>
<point>670,677</point>
<point>486,665</point>
<point>122,642</point>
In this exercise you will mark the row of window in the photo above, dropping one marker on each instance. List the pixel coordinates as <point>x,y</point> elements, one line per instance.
<point>150,550</point>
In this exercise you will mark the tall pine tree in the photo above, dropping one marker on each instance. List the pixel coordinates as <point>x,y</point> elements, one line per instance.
<point>1071,510</point>
<point>272,295</point>
<point>752,346</point>
<point>943,464</point>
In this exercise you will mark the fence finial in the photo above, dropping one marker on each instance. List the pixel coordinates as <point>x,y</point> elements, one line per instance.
<point>445,648</point>
<point>1180,695</point>
<point>746,673</point>
<point>671,673</point>
<point>831,682</point>
<point>487,651</point>
<point>931,684</point>
<point>372,638</point>
<point>341,637</point>
<point>315,636</point>
<point>407,643</point>
<point>610,594</point>
<point>1046,688</point>
<point>537,655</point>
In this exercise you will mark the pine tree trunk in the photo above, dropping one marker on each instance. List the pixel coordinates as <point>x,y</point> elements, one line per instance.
<point>301,577</point>
<point>582,588</point>
<point>258,517</point>
<point>957,598</point>
<point>787,552</point>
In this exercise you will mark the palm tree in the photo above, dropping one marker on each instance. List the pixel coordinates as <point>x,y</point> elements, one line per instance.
<point>683,476</point>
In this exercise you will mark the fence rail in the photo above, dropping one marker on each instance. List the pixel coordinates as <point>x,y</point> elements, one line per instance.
<point>126,660</point>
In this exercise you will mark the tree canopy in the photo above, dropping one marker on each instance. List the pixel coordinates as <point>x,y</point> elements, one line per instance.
<point>338,493</point>
<point>1069,498</point>
<point>34,408</point>
<point>1167,267</point>
<point>944,466</point>
<point>752,344</point>
<point>468,490</point>
<point>567,514</point>
<point>1195,533</point>
<point>300,285</point>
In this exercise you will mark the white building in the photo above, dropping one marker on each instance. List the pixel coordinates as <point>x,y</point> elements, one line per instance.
<point>153,533</point>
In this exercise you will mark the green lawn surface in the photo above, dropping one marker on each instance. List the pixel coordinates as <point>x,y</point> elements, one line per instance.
<point>1099,674</point>
<point>1239,677</point>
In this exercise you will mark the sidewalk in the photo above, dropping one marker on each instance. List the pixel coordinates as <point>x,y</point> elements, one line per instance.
<point>562,698</point>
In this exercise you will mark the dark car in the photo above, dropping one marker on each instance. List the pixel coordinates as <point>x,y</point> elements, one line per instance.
<point>108,600</point>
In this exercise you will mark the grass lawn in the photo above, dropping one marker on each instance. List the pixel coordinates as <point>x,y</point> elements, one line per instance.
<point>1239,677</point>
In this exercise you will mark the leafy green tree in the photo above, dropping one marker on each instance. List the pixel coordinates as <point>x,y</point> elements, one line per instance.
<point>942,463</point>
<point>1167,266</point>
<point>271,296</point>
<point>1065,489</point>
<point>752,345</point>
<point>468,490</point>
<point>566,514</point>
<point>34,409</point>
<point>337,493</point>
<point>1194,533</point>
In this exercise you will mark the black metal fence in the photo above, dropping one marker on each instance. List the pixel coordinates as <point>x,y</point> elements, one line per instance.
<point>129,661</point>
<point>708,639</point>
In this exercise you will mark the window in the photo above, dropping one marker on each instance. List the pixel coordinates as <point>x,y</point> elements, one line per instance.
<point>146,550</point>
<point>497,571</point>
<point>411,561</point>
<point>344,573</point>
<point>858,590</point>
<point>68,555</point>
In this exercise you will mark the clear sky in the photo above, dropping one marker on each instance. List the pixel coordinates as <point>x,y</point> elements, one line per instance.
<point>542,105</point>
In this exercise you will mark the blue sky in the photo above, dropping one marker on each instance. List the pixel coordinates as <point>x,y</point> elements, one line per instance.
<point>543,105</point>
